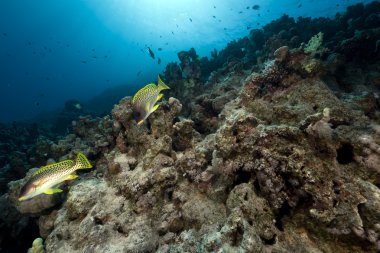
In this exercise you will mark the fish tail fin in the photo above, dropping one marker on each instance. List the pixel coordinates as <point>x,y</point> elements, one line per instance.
<point>82,162</point>
<point>161,84</point>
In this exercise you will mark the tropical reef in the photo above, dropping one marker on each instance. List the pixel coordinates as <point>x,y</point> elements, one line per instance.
<point>272,145</point>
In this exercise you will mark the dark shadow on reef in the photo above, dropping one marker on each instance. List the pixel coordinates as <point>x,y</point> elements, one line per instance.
<point>272,145</point>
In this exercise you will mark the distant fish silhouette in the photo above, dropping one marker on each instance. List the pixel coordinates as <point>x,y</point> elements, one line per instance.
<point>159,49</point>
<point>256,7</point>
<point>299,6</point>
<point>248,27</point>
<point>84,62</point>
<point>172,32</point>
<point>138,73</point>
<point>106,56</point>
<point>247,7</point>
<point>151,53</point>
<point>214,16</point>
<point>190,20</point>
<point>5,34</point>
<point>159,61</point>
<point>167,43</point>
<point>93,50</point>
<point>240,12</point>
<point>37,104</point>
<point>29,43</point>
<point>176,25</point>
<point>94,57</point>
<point>214,7</point>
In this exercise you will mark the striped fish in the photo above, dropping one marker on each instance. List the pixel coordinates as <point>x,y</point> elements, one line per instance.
<point>144,100</point>
<point>46,178</point>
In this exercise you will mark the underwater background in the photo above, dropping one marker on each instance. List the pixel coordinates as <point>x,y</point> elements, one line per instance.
<point>190,126</point>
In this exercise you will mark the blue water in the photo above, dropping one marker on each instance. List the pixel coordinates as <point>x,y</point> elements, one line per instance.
<point>52,51</point>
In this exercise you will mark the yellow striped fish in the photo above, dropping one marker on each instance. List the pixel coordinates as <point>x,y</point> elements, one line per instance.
<point>44,179</point>
<point>144,100</point>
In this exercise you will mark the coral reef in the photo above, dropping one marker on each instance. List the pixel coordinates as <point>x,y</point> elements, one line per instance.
<point>277,151</point>
<point>37,246</point>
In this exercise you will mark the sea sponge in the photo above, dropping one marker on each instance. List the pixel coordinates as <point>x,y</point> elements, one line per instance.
<point>314,43</point>
<point>37,246</point>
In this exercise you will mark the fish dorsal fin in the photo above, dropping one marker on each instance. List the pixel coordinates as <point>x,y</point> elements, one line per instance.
<point>161,85</point>
<point>62,164</point>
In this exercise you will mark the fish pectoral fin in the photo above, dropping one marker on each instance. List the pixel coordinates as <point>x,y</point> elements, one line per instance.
<point>52,191</point>
<point>147,107</point>
<point>71,177</point>
<point>155,108</point>
<point>159,96</point>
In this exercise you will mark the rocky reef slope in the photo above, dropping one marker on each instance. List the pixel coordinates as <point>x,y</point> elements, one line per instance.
<point>280,154</point>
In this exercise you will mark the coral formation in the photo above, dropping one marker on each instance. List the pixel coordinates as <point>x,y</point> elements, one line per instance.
<point>37,246</point>
<point>275,152</point>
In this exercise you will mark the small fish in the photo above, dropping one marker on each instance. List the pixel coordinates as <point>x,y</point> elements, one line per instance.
<point>190,20</point>
<point>37,104</point>
<point>240,12</point>
<point>299,6</point>
<point>94,57</point>
<point>159,49</point>
<point>247,7</point>
<point>214,16</point>
<point>46,178</point>
<point>84,62</point>
<point>214,7</point>
<point>172,32</point>
<point>256,7</point>
<point>159,61</point>
<point>150,52</point>
<point>106,56</point>
<point>138,73</point>
<point>144,100</point>
<point>78,106</point>
<point>5,34</point>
